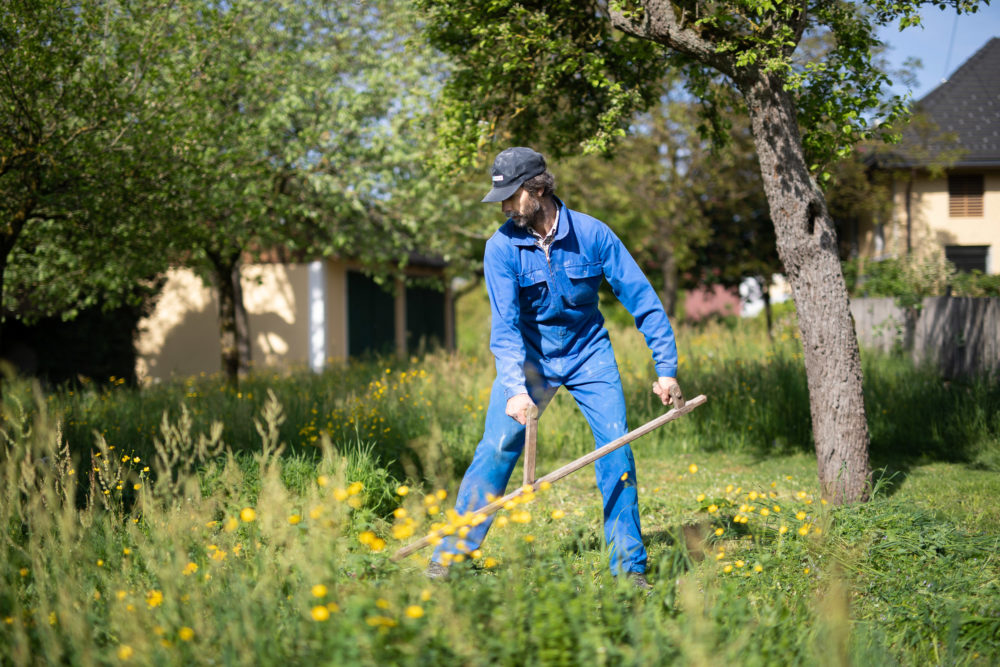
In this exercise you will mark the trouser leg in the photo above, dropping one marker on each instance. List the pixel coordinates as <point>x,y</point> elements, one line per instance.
<point>491,468</point>
<point>597,390</point>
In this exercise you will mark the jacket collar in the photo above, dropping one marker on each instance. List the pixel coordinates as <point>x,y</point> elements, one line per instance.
<point>523,237</point>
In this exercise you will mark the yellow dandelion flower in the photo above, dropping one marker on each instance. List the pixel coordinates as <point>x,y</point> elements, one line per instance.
<point>425,595</point>
<point>782,530</point>
<point>320,613</point>
<point>231,524</point>
<point>476,554</point>
<point>248,514</point>
<point>545,486</point>
<point>558,514</point>
<point>700,497</point>
<point>295,519</point>
<point>340,495</point>
<point>727,569</point>
<point>777,508</point>
<point>713,508</point>
<point>490,562</point>
<point>185,634</point>
<point>319,591</point>
<point>529,538</point>
<point>458,558</point>
<point>100,562</point>
<point>502,521</point>
<point>693,468</point>
<point>804,530</point>
<point>316,512</point>
<point>322,480</point>
<point>805,570</point>
<point>125,652</point>
<point>441,494</point>
<point>433,509</point>
<point>758,568</point>
<point>402,490</point>
<point>382,603</point>
<point>332,607</point>
<point>764,511</point>
<point>154,598</point>
<point>190,568</point>
<point>719,531</point>
<point>729,488</point>
<point>720,555</point>
<point>378,544</point>
<point>355,488</point>
<point>414,611</point>
<point>24,572</point>
<point>366,537</point>
<point>399,512</point>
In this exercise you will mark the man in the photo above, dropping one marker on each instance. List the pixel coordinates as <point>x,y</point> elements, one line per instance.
<point>543,268</point>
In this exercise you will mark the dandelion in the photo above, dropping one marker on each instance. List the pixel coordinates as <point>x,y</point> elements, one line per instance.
<point>378,544</point>
<point>319,591</point>
<point>402,490</point>
<point>231,524</point>
<point>248,514</point>
<point>490,562</point>
<point>700,497</point>
<point>558,514</point>
<point>720,555</point>
<point>777,508</point>
<point>137,486</point>
<point>154,598</point>
<point>400,512</point>
<point>800,515</point>
<point>729,488</point>
<point>320,613</point>
<point>322,480</point>
<point>529,538</point>
<point>414,611</point>
<point>727,569</point>
<point>545,486</point>
<point>502,521</point>
<point>719,531</point>
<point>380,621</point>
<point>782,530</point>
<point>355,488</point>
<point>340,495</point>
<point>125,652</point>
<point>764,511</point>
<point>295,519</point>
<point>24,572</point>
<point>100,562</point>
<point>441,494</point>
<point>740,563</point>
<point>713,508</point>
<point>804,530</point>
<point>382,603</point>
<point>190,568</point>
<point>693,468</point>
<point>366,537</point>
<point>758,568</point>
<point>805,571</point>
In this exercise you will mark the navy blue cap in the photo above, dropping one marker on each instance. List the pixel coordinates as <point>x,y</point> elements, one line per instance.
<point>511,169</point>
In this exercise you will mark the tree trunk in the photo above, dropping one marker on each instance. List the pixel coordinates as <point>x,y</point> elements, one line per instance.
<point>807,246</point>
<point>234,332</point>
<point>668,268</point>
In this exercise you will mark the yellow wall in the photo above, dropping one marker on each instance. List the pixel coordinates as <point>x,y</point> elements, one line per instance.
<point>932,228</point>
<point>181,336</point>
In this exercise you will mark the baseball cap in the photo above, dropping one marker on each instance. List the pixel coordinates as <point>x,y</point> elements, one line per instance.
<point>511,169</point>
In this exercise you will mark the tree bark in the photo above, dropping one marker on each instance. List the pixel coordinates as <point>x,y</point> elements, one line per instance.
<point>807,246</point>
<point>234,331</point>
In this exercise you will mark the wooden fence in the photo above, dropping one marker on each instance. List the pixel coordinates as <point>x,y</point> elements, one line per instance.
<point>961,335</point>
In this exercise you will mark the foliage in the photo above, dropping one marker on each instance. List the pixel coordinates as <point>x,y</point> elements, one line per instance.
<point>72,162</point>
<point>910,279</point>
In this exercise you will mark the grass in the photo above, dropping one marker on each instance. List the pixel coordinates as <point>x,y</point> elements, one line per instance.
<point>191,523</point>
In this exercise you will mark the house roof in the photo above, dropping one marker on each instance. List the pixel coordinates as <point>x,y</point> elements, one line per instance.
<point>966,112</point>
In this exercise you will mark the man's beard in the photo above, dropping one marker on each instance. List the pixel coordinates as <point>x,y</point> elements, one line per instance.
<point>530,217</point>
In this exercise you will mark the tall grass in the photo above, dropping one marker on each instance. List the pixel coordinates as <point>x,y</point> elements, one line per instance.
<point>189,523</point>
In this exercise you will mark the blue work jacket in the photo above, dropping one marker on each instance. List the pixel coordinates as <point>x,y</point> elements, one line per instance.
<point>545,309</point>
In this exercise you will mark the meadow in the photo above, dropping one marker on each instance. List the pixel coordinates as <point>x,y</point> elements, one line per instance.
<point>196,523</point>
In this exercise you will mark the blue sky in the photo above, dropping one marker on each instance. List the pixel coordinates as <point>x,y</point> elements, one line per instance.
<point>942,44</point>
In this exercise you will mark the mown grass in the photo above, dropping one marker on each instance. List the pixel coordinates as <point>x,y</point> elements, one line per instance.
<point>191,523</point>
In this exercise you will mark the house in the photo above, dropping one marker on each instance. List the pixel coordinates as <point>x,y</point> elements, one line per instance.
<point>945,174</point>
<point>300,315</point>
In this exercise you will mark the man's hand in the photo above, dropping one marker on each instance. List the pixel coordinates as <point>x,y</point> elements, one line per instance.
<point>517,407</point>
<point>668,390</point>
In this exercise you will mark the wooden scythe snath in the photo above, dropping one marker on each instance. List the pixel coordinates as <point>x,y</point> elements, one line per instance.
<point>571,467</point>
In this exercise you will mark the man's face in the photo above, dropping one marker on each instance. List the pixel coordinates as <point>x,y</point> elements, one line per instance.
<point>522,207</point>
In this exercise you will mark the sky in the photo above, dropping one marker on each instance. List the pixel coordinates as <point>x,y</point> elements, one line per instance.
<point>942,44</point>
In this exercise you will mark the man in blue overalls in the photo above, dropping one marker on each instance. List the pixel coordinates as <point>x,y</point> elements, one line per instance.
<point>543,268</point>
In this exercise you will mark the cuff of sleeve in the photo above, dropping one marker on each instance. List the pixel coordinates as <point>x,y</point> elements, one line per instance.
<point>511,392</point>
<point>664,371</point>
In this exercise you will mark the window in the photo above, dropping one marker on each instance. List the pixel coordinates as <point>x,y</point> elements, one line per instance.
<point>965,196</point>
<point>967,257</point>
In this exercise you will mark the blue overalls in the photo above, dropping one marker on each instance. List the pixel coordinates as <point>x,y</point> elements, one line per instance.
<point>547,332</point>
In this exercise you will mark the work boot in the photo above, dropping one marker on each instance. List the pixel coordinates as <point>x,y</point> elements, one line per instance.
<point>639,581</point>
<point>436,570</point>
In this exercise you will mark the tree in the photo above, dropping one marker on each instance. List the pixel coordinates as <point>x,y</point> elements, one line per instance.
<point>72,82</point>
<point>557,70</point>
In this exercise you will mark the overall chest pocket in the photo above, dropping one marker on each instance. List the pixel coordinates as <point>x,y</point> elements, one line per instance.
<point>583,279</point>
<point>533,290</point>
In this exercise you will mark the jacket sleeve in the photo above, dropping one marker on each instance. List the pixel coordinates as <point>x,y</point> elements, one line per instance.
<point>640,299</point>
<point>506,341</point>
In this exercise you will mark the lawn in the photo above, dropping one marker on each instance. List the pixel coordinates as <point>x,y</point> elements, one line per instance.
<point>195,523</point>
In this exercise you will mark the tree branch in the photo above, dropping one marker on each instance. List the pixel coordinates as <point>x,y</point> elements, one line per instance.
<point>659,23</point>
